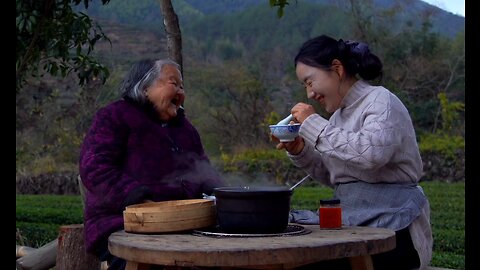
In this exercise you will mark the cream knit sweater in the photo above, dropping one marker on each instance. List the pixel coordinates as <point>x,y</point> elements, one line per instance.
<point>371,139</point>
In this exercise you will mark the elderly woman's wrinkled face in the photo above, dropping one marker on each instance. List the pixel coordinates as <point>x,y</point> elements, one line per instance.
<point>167,93</point>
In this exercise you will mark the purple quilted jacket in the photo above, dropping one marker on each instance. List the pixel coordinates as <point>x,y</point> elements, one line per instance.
<point>130,155</point>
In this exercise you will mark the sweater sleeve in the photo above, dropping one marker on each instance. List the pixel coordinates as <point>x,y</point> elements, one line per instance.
<point>101,160</point>
<point>310,161</point>
<point>373,145</point>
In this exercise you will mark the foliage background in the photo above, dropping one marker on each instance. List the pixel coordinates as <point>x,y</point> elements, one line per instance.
<point>239,75</point>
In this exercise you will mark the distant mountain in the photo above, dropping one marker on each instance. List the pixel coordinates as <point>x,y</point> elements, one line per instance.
<point>443,22</point>
<point>208,7</point>
<point>146,13</point>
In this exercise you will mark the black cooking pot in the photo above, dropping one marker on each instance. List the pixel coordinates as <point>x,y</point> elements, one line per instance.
<point>253,209</point>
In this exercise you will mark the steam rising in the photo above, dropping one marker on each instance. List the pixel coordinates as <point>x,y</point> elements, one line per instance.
<point>197,170</point>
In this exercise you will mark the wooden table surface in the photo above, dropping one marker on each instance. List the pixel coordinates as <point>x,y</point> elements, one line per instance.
<point>279,252</point>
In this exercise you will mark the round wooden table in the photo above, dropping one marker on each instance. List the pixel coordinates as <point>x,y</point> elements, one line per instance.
<point>279,252</point>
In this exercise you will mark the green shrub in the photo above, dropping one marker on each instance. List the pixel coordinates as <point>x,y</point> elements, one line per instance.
<point>443,157</point>
<point>68,202</point>
<point>447,145</point>
<point>51,215</point>
<point>38,217</point>
<point>36,234</point>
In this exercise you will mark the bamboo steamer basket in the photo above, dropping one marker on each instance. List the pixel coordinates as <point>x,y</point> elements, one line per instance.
<point>169,216</point>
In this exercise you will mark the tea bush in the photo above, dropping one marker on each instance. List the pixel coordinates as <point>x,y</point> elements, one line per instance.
<point>39,217</point>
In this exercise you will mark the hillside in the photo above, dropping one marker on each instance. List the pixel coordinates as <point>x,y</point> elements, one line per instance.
<point>146,13</point>
<point>238,71</point>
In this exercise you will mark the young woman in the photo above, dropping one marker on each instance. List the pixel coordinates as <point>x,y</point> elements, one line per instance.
<point>367,149</point>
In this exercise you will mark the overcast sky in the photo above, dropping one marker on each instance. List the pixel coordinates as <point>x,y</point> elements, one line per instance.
<point>454,6</point>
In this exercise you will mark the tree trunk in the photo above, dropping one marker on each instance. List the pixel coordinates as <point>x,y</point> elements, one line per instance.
<point>172,29</point>
<point>71,252</point>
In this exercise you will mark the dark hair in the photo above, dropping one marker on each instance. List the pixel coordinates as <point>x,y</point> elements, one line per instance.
<point>141,76</point>
<point>355,56</point>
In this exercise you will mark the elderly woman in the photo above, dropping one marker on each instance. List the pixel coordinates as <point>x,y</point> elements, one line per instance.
<point>141,147</point>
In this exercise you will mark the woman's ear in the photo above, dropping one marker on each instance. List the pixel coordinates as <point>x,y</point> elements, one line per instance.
<point>337,67</point>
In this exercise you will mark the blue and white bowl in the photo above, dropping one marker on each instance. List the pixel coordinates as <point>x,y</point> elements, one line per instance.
<point>285,133</point>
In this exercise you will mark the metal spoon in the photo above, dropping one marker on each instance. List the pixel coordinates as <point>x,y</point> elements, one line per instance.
<point>299,182</point>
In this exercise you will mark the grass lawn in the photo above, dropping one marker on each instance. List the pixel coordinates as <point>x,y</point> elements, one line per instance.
<point>39,216</point>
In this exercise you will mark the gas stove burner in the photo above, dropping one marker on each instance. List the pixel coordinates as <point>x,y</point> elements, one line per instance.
<point>291,230</point>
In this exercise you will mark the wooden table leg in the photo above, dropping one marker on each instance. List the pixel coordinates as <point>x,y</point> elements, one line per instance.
<point>136,266</point>
<point>361,262</point>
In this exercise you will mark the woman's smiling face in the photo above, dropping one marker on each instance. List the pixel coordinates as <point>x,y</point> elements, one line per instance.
<point>167,94</point>
<point>322,85</point>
